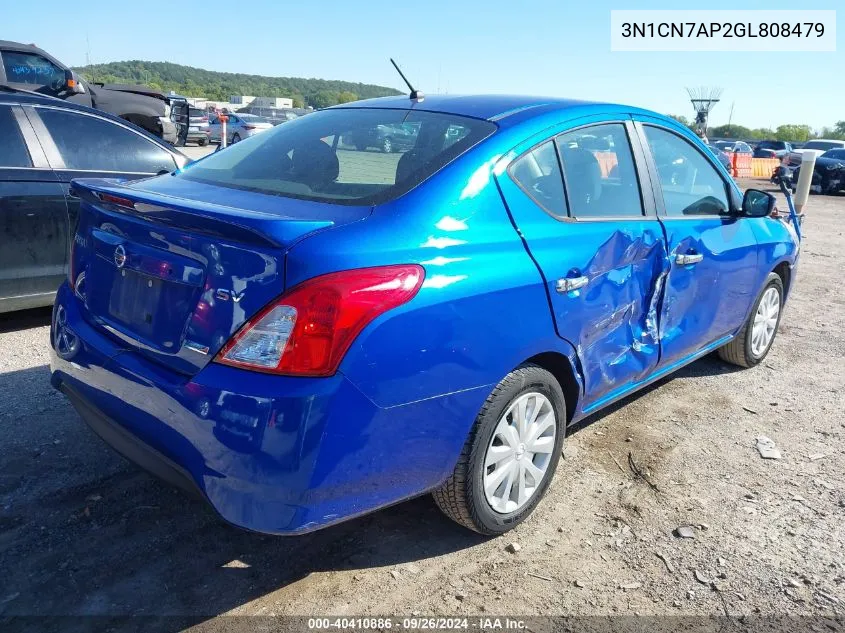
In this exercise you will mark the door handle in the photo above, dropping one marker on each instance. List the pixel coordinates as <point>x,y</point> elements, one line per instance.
<point>568,284</point>
<point>688,259</point>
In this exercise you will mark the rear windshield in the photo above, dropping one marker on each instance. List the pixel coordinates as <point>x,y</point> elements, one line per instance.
<point>772,145</point>
<point>345,156</point>
<point>195,112</point>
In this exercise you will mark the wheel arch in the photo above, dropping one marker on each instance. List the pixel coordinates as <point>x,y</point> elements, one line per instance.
<point>562,368</point>
<point>784,271</point>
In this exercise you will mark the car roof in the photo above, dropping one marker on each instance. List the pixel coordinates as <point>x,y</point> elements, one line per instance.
<point>19,46</point>
<point>505,110</point>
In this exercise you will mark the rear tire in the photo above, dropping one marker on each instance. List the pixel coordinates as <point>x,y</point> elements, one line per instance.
<point>202,143</point>
<point>236,138</point>
<point>745,349</point>
<point>463,497</point>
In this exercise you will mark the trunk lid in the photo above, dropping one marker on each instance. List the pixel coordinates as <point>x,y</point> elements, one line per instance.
<point>173,268</point>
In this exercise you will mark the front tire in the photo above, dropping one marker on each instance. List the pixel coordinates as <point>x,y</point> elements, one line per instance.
<point>387,145</point>
<point>236,138</point>
<point>510,456</point>
<point>753,342</point>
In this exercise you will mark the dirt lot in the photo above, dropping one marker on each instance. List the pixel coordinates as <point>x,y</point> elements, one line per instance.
<point>84,532</point>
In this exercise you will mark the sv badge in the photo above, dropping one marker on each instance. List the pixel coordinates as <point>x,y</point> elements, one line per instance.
<point>225,295</point>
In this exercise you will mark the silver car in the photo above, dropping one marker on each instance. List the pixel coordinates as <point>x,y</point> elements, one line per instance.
<point>198,126</point>
<point>238,127</point>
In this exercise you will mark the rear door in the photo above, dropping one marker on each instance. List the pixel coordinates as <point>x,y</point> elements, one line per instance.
<point>33,217</point>
<point>713,252</point>
<point>598,244</point>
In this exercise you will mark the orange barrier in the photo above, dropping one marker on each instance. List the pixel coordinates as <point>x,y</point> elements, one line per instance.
<point>741,165</point>
<point>764,167</point>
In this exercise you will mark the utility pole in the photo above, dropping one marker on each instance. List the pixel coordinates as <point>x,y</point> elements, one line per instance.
<point>88,56</point>
<point>731,116</point>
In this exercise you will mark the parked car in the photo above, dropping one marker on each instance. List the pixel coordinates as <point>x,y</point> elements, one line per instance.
<point>273,115</point>
<point>302,335</point>
<point>198,130</point>
<point>720,155</point>
<point>828,173</point>
<point>388,138</point>
<point>44,143</point>
<point>772,149</point>
<point>734,147</point>
<point>27,67</point>
<point>238,127</point>
<point>818,146</point>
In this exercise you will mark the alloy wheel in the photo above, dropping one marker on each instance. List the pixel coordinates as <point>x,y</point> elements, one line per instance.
<point>519,453</point>
<point>765,321</point>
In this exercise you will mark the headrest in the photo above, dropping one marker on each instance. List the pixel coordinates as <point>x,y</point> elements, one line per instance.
<point>315,164</point>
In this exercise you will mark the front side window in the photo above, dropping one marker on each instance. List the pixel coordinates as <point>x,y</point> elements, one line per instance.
<point>339,155</point>
<point>599,172</point>
<point>94,144</point>
<point>32,69</point>
<point>13,152</point>
<point>538,174</point>
<point>690,183</point>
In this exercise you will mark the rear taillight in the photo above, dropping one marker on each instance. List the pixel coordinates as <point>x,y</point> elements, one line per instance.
<point>307,331</point>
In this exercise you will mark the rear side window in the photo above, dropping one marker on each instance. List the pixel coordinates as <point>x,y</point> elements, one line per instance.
<point>345,156</point>
<point>690,183</point>
<point>599,172</point>
<point>538,174</point>
<point>94,144</point>
<point>13,152</point>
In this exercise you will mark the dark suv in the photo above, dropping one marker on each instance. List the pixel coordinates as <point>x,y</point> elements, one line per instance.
<point>44,143</point>
<point>27,67</point>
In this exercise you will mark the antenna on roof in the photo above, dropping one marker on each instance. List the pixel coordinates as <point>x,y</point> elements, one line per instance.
<point>416,95</point>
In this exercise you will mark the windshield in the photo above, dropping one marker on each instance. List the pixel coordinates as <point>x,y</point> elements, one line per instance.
<point>776,145</point>
<point>838,154</point>
<point>340,155</point>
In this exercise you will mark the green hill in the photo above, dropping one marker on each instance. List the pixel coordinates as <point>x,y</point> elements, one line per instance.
<point>218,86</point>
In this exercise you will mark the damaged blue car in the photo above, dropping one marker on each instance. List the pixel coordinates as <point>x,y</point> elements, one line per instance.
<point>301,330</point>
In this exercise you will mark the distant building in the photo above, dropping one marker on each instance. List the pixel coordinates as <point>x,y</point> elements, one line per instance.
<point>273,102</point>
<point>241,100</point>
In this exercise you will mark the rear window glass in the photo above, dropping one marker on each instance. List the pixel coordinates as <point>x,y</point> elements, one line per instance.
<point>197,112</point>
<point>345,156</point>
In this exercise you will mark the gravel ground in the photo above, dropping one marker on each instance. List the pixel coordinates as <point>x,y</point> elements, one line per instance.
<point>84,532</point>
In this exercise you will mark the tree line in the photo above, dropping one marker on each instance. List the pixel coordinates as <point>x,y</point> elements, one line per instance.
<point>791,132</point>
<point>219,86</point>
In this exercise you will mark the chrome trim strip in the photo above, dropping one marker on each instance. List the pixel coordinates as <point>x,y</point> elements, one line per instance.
<point>54,157</point>
<point>30,139</point>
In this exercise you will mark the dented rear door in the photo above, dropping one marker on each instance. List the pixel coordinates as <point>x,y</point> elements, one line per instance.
<point>598,245</point>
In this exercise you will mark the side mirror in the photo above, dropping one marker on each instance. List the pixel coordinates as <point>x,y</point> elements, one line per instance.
<point>72,83</point>
<point>757,204</point>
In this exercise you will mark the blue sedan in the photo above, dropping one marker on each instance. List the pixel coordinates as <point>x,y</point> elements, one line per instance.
<point>301,331</point>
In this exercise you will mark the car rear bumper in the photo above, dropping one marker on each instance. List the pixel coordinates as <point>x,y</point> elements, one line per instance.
<point>272,454</point>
